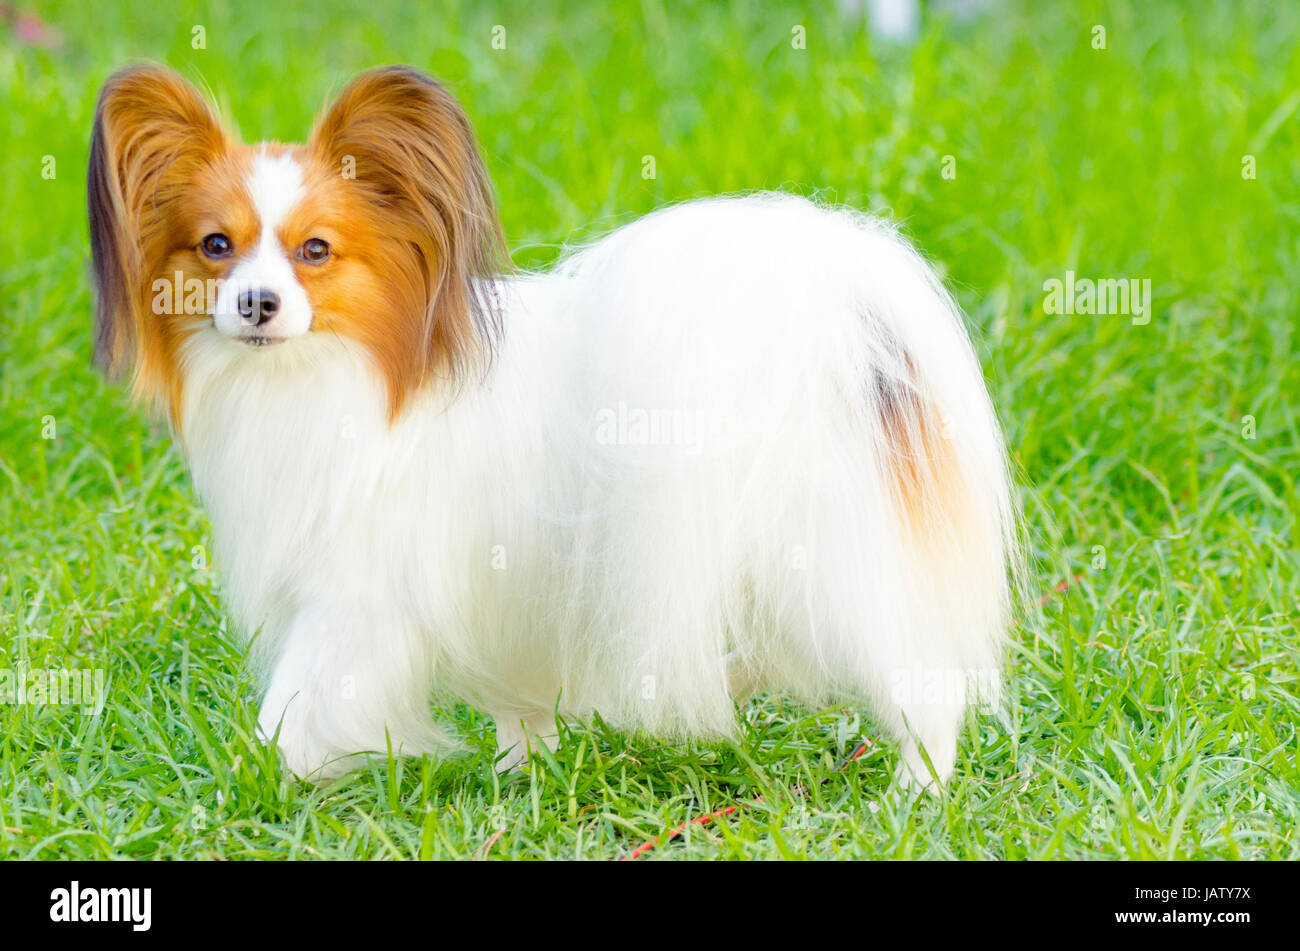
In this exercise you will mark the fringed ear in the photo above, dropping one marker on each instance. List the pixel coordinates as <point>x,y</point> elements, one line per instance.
<point>407,145</point>
<point>152,131</point>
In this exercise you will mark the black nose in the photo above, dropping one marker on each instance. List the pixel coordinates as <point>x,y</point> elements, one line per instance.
<point>258,307</point>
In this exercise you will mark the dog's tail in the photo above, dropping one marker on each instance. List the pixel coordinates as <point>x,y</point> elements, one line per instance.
<point>937,440</point>
<point>911,526</point>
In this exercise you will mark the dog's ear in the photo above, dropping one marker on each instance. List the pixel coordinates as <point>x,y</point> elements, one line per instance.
<point>406,143</point>
<point>152,130</point>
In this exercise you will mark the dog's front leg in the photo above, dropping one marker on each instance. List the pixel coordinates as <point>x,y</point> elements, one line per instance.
<point>347,683</point>
<point>519,736</point>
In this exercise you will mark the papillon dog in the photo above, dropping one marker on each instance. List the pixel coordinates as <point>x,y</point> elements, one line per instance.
<point>742,444</point>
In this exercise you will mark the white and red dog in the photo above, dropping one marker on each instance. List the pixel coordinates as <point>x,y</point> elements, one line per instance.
<point>741,444</point>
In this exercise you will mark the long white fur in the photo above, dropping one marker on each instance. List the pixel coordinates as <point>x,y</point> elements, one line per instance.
<point>672,486</point>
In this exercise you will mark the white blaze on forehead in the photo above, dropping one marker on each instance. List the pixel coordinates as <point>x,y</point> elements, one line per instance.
<point>275,186</point>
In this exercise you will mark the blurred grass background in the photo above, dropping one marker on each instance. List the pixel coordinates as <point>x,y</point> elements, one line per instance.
<point>1153,706</point>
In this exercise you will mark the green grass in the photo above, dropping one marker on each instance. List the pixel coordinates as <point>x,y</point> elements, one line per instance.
<point>1152,710</point>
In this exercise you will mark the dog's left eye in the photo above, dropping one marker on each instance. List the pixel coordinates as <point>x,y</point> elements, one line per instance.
<point>314,250</point>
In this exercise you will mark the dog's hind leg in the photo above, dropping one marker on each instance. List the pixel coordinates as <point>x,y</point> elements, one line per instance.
<point>742,680</point>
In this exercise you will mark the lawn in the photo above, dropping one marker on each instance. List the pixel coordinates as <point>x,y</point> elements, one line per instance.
<point>1153,705</point>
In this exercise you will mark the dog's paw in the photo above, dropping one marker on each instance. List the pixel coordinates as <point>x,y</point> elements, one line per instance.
<point>915,776</point>
<point>307,760</point>
<point>517,737</point>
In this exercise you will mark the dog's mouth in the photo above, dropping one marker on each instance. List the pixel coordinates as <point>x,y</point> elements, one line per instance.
<point>258,341</point>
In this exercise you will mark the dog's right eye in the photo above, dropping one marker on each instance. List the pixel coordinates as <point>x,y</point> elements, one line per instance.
<point>217,246</point>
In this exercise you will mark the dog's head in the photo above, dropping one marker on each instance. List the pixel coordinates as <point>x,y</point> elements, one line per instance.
<point>381,229</point>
